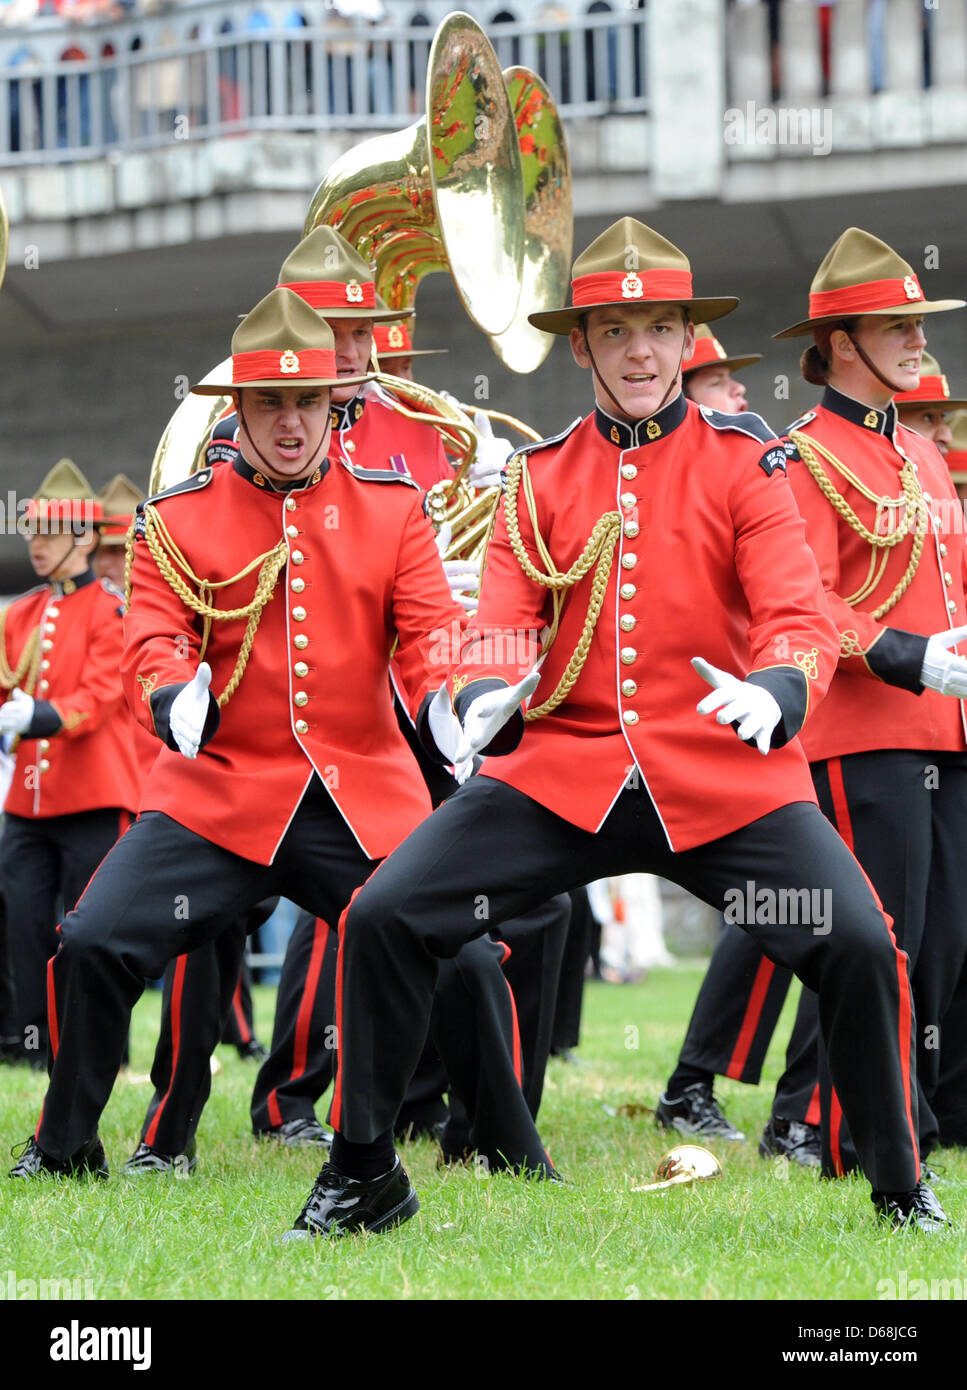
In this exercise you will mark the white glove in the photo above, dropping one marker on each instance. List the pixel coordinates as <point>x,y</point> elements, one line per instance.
<point>189,710</point>
<point>16,714</point>
<point>485,717</point>
<point>446,730</point>
<point>757,710</point>
<point>463,576</point>
<point>941,671</point>
<point>487,468</point>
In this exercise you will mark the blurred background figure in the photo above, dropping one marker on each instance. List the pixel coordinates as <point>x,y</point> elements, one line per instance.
<point>629,910</point>
<point>708,377</point>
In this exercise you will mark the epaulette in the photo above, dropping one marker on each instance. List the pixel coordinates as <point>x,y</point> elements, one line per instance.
<point>382,475</point>
<point>195,483</point>
<point>803,420</point>
<point>746,422</point>
<point>545,443</point>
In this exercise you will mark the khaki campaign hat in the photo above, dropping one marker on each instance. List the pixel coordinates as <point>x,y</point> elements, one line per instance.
<point>64,499</point>
<point>862,275</point>
<point>630,264</point>
<point>329,275</point>
<point>709,352</point>
<point>934,388</point>
<point>393,340</point>
<point>119,501</point>
<point>282,342</point>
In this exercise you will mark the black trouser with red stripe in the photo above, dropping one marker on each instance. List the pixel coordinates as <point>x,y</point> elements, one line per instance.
<point>904,815</point>
<point>299,1067</point>
<point>421,906</point>
<point>164,891</point>
<point>488,1050</point>
<point>239,1028</point>
<point>479,1118</point>
<point>577,949</point>
<point>481,1063</point>
<point>45,864</point>
<point>735,1015</point>
<point>161,892</point>
<point>197,1000</point>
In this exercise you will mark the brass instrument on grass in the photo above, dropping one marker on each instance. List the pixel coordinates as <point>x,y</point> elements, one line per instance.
<point>685,1164</point>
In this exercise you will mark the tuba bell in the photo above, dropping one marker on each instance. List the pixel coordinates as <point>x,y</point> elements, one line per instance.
<point>444,193</point>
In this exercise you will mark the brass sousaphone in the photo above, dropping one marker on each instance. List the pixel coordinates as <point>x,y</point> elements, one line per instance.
<point>479,186</point>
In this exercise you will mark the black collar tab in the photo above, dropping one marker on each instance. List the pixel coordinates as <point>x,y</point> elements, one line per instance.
<point>632,435</point>
<point>264,484</point>
<point>62,587</point>
<point>866,416</point>
<point>344,414</point>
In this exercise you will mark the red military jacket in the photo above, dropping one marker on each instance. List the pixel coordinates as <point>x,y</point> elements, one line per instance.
<point>369,430</point>
<point>84,760</point>
<point>362,571</point>
<point>876,699</point>
<point>711,562</point>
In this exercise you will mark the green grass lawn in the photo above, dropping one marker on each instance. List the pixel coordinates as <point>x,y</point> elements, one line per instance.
<point>765,1230</point>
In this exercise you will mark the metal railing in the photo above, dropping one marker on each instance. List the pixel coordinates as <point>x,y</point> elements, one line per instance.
<point>292,79</point>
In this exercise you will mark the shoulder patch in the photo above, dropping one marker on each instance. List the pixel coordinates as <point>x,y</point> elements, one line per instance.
<point>772,459</point>
<point>536,444</point>
<point>383,475</point>
<point>746,422</point>
<point>791,451</point>
<point>220,451</point>
<point>803,420</point>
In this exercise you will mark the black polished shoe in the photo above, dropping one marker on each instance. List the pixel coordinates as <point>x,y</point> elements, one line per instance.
<point>340,1206</point>
<point>792,1139</point>
<point>253,1051</point>
<point>301,1133</point>
<point>696,1111</point>
<point>148,1160</point>
<point>32,1162</point>
<point>914,1210</point>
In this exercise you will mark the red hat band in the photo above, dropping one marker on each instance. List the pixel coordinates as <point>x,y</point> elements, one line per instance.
<point>863,299</point>
<point>334,294</point>
<point>707,352</point>
<point>391,337</point>
<point>632,286</point>
<point>267,365</point>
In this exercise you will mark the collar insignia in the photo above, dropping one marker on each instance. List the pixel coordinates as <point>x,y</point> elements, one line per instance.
<point>653,429</point>
<point>871,420</point>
